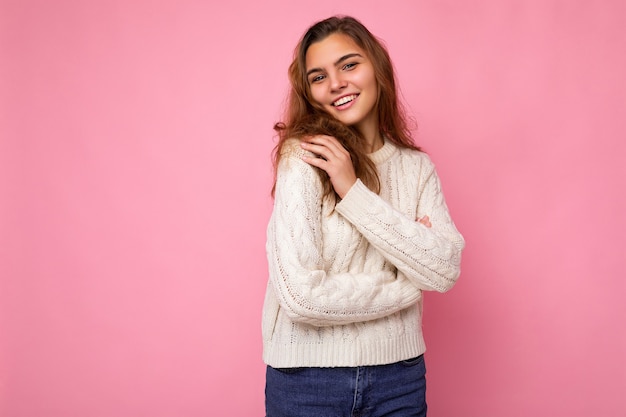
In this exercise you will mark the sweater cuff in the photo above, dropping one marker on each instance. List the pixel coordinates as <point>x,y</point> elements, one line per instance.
<point>356,201</point>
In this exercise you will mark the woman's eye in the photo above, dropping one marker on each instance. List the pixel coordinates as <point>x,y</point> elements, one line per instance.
<point>349,66</point>
<point>317,79</point>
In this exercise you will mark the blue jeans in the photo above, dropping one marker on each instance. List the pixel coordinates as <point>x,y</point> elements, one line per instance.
<point>398,389</point>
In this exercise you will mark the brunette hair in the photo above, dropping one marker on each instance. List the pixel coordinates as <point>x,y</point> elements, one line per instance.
<point>303,117</point>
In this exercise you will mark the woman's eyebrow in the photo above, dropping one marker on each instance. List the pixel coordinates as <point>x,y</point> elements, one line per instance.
<point>337,62</point>
<point>346,57</point>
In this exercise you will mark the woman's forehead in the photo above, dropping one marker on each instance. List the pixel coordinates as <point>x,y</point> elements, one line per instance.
<point>329,49</point>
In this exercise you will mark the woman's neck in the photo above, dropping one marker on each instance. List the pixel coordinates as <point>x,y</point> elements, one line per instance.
<point>373,138</point>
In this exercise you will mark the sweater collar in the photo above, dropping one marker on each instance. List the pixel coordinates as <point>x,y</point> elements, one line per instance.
<point>384,153</point>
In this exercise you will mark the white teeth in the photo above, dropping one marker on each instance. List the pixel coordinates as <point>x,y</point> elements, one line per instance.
<point>344,100</point>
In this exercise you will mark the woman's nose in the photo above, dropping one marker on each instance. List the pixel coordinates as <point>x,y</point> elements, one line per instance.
<point>337,83</point>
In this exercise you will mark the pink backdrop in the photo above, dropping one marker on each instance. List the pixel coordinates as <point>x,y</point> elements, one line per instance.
<point>134,193</point>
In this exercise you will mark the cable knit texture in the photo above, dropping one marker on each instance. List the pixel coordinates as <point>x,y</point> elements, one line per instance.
<point>346,280</point>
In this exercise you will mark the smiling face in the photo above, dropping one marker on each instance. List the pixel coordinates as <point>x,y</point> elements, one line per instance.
<point>342,80</point>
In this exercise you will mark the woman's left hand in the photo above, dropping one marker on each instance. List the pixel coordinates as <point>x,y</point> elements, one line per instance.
<point>333,158</point>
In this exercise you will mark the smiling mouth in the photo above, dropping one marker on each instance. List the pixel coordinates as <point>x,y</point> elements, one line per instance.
<point>344,100</point>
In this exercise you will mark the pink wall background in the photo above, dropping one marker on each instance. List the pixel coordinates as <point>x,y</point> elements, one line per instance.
<point>134,193</point>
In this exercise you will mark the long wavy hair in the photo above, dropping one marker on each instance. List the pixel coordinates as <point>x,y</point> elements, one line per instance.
<point>304,117</point>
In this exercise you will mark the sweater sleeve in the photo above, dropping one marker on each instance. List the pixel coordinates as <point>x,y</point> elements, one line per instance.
<point>429,257</point>
<point>305,290</point>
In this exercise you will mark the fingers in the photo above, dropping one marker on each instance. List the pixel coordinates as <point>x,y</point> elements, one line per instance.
<point>325,146</point>
<point>425,221</point>
<point>333,158</point>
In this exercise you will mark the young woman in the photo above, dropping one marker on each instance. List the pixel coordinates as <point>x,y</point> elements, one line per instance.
<point>359,229</point>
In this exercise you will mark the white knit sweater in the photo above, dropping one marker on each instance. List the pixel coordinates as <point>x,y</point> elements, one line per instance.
<point>345,285</point>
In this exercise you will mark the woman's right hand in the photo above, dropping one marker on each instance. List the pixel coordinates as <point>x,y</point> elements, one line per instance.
<point>424,220</point>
